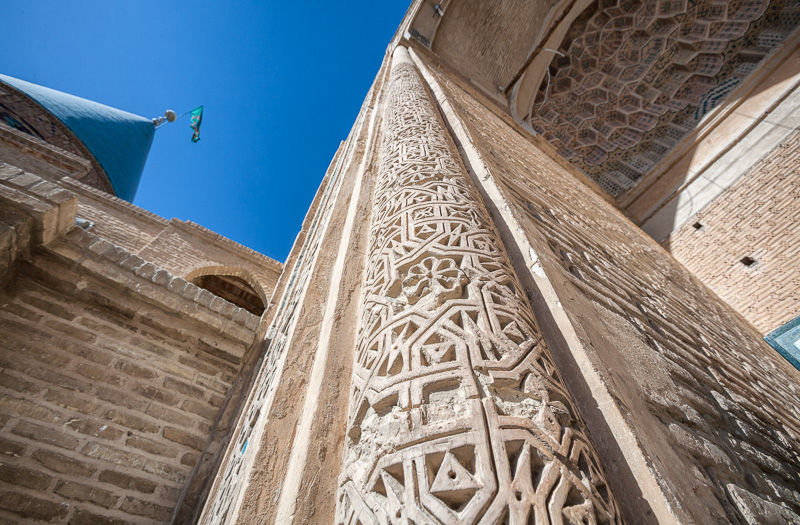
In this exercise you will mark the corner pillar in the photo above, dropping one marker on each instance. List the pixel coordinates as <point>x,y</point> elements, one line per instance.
<point>457,411</point>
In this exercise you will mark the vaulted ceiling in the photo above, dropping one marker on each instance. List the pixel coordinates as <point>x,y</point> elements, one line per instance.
<point>614,85</point>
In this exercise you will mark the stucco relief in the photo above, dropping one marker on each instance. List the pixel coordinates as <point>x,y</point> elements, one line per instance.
<point>632,79</point>
<point>457,413</point>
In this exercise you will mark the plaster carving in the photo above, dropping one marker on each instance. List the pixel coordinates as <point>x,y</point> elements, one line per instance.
<point>457,413</point>
<point>724,406</point>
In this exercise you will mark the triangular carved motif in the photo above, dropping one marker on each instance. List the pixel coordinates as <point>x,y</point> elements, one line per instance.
<point>452,476</point>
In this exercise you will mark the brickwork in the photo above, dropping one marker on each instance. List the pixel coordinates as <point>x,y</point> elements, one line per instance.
<point>183,248</point>
<point>114,219</point>
<point>51,208</point>
<point>116,376</point>
<point>31,154</point>
<point>23,114</point>
<point>190,250</point>
<point>32,212</point>
<point>713,408</point>
<point>509,30</point>
<point>756,218</point>
<point>110,397</point>
<point>466,330</point>
<point>450,378</point>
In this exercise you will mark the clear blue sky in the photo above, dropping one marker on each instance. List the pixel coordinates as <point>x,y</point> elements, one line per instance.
<point>281,82</point>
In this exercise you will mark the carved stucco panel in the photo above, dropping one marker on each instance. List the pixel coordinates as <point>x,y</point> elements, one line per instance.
<point>457,413</point>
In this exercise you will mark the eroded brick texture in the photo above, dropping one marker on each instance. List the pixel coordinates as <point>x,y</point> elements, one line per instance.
<point>507,29</point>
<point>113,374</point>
<point>714,407</point>
<point>714,244</point>
<point>181,247</point>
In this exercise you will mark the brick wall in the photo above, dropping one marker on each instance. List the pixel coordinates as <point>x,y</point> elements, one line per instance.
<point>118,380</point>
<point>32,212</point>
<point>191,250</point>
<point>508,32</point>
<point>43,125</point>
<point>183,248</point>
<point>757,217</point>
<point>115,220</point>
<point>32,154</point>
<point>113,378</point>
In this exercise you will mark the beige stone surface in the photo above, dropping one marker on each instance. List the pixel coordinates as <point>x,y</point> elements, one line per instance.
<point>112,386</point>
<point>511,29</point>
<point>31,154</point>
<point>734,156</point>
<point>727,141</point>
<point>120,379</point>
<point>756,217</point>
<point>250,481</point>
<point>466,330</point>
<point>183,248</point>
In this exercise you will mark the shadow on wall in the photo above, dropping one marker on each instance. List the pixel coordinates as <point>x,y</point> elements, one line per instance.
<point>726,147</point>
<point>642,97</point>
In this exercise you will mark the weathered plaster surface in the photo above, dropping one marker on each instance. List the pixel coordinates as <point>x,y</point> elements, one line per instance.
<point>457,411</point>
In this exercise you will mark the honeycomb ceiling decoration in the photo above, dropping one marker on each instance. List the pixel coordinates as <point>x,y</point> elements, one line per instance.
<point>636,77</point>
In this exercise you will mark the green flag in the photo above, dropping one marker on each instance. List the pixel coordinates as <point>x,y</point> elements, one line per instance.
<point>197,118</point>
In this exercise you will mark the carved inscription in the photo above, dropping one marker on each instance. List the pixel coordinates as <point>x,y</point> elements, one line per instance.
<point>457,413</point>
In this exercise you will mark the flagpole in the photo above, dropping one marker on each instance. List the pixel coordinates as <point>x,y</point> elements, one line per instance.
<point>169,116</point>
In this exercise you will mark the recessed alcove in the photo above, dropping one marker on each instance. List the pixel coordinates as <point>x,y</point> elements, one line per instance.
<point>234,290</point>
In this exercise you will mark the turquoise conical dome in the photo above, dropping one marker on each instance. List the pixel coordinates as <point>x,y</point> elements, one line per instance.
<point>119,141</point>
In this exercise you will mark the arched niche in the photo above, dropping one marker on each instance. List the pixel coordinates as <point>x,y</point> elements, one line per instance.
<point>235,285</point>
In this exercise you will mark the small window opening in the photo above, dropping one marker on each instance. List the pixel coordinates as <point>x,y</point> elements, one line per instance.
<point>748,261</point>
<point>697,226</point>
<point>234,290</point>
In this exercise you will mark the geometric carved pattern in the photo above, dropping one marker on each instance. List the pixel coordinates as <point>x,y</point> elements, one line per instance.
<point>457,412</point>
<point>635,77</point>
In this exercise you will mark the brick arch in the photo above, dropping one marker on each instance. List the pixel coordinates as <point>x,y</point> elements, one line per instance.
<point>231,271</point>
<point>21,112</point>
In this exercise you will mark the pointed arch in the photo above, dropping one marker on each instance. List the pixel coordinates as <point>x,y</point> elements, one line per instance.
<point>234,284</point>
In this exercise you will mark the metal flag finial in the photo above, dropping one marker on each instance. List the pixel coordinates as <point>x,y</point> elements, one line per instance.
<point>169,116</point>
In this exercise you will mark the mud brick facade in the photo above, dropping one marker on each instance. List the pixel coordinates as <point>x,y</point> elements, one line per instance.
<point>743,245</point>
<point>531,288</point>
<point>120,378</point>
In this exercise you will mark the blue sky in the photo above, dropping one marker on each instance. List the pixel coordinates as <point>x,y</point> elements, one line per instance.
<point>281,82</point>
